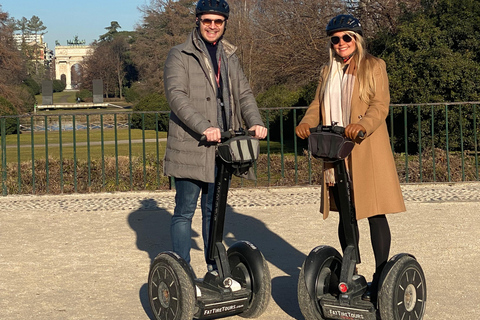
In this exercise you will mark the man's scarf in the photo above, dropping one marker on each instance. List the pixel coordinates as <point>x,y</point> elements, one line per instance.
<point>224,95</point>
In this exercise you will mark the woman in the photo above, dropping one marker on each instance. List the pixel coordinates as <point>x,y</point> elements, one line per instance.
<point>353,93</point>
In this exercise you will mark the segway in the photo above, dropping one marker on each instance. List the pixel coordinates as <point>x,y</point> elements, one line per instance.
<point>328,286</point>
<point>241,285</point>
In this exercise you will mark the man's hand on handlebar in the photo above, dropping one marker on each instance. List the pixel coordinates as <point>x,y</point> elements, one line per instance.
<point>212,134</point>
<point>303,130</point>
<point>260,132</point>
<point>353,129</point>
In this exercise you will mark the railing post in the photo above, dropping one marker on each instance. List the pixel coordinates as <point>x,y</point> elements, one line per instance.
<point>130,164</point>
<point>447,141</point>
<point>268,147</point>
<point>476,139</point>
<point>33,152</point>
<point>461,142</point>
<point>103,151</point>
<point>433,143</point>
<point>281,145</point>
<point>4,156</point>
<point>89,164</point>
<point>295,145</point>
<point>117,177</point>
<point>75,174</point>
<point>19,163</point>
<point>406,142</point>
<point>60,144</point>
<point>157,149</point>
<point>144,152</point>
<point>47,180</point>
<point>420,143</point>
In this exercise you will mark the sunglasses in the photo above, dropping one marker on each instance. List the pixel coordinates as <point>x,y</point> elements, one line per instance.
<point>208,22</point>
<point>336,39</point>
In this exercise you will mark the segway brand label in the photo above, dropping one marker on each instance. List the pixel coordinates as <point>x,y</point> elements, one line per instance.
<point>251,245</point>
<point>344,315</point>
<point>341,313</point>
<point>220,309</point>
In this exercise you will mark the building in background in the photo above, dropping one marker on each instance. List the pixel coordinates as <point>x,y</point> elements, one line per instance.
<point>35,48</point>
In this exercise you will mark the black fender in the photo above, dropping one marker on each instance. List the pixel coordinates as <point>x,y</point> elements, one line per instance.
<point>252,257</point>
<point>313,264</point>
<point>393,260</point>
<point>188,269</point>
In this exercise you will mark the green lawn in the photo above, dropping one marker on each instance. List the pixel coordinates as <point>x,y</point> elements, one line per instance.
<point>81,137</point>
<point>95,138</point>
<point>60,97</point>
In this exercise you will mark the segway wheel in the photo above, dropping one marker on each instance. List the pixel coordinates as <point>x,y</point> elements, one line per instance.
<point>322,270</point>
<point>250,269</point>
<point>170,289</point>
<point>403,292</point>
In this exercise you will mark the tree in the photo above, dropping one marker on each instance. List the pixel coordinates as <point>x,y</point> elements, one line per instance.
<point>111,31</point>
<point>109,61</point>
<point>433,57</point>
<point>165,24</point>
<point>16,97</point>
<point>381,15</point>
<point>35,26</point>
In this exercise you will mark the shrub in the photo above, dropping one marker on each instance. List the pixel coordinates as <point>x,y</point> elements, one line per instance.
<point>7,109</point>
<point>84,95</point>
<point>151,102</point>
<point>32,86</point>
<point>58,86</point>
<point>131,95</point>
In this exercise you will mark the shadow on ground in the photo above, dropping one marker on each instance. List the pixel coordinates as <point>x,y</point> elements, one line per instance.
<point>151,224</point>
<point>277,251</point>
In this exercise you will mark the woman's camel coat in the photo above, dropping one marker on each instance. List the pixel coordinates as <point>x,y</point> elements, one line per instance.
<point>376,187</point>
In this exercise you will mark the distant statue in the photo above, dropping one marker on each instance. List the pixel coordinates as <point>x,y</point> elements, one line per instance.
<point>75,42</point>
<point>57,43</point>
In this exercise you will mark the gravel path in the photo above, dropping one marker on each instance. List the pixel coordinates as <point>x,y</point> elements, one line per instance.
<point>87,256</point>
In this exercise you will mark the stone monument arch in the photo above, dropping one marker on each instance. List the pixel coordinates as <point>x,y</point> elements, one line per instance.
<point>66,57</point>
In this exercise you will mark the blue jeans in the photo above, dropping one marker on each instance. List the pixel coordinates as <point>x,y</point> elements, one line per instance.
<point>186,199</point>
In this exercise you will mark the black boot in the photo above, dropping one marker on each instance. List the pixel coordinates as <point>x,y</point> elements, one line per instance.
<point>371,293</point>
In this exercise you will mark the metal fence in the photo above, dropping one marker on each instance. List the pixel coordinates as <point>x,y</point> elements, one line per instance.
<point>94,152</point>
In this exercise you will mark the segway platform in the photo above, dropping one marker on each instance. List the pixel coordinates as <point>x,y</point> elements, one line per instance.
<point>218,301</point>
<point>333,309</point>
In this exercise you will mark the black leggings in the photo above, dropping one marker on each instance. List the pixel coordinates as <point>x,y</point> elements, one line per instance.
<point>380,237</point>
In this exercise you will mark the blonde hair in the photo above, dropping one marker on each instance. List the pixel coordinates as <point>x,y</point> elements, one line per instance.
<point>364,68</point>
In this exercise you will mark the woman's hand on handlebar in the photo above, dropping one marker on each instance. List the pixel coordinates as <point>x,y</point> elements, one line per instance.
<point>260,132</point>
<point>212,134</point>
<point>353,129</point>
<point>303,130</point>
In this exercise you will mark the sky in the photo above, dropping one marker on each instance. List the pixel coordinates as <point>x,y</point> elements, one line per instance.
<point>86,19</point>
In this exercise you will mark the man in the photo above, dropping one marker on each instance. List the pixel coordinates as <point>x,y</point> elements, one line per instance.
<point>208,93</point>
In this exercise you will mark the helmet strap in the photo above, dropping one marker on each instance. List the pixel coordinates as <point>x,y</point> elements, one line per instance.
<point>348,58</point>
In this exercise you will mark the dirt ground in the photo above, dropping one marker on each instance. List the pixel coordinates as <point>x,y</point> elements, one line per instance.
<point>92,262</point>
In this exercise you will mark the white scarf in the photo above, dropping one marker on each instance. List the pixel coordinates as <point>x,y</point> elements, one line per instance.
<point>338,93</point>
<point>338,100</point>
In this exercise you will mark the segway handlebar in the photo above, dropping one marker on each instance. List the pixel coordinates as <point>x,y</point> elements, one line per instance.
<point>224,135</point>
<point>335,129</point>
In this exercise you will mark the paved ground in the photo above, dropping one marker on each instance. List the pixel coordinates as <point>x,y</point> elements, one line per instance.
<point>87,256</point>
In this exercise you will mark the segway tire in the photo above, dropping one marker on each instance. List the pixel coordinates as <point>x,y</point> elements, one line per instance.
<point>403,291</point>
<point>326,263</point>
<point>171,291</point>
<point>249,268</point>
